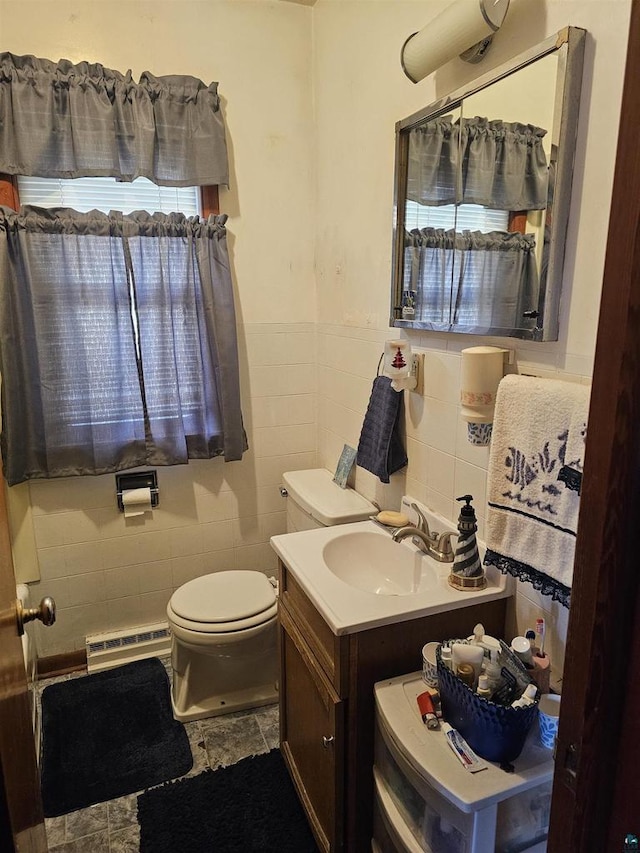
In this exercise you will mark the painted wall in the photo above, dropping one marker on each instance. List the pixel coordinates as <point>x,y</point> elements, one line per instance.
<point>361,92</point>
<point>311,96</point>
<point>106,573</point>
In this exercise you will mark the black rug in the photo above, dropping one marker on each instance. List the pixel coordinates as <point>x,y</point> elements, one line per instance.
<point>249,807</point>
<point>109,734</point>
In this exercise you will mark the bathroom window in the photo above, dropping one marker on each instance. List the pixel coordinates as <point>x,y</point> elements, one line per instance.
<point>117,329</point>
<point>463,217</point>
<point>117,342</point>
<point>106,194</point>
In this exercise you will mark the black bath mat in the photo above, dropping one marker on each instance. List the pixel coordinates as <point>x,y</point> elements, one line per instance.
<point>250,807</point>
<point>109,734</point>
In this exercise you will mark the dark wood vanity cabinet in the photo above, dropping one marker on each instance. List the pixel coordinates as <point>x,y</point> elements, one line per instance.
<point>327,704</point>
<point>312,721</point>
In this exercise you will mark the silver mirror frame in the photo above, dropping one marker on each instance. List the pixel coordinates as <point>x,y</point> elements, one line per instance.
<point>569,43</point>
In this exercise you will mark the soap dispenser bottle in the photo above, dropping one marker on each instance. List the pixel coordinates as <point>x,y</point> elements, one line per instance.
<point>467,572</point>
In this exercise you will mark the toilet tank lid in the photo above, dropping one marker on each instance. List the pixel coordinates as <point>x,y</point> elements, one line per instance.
<point>315,492</point>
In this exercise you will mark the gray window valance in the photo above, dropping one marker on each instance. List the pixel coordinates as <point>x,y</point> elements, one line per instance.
<point>60,120</point>
<point>501,165</point>
<point>117,342</point>
<point>472,279</point>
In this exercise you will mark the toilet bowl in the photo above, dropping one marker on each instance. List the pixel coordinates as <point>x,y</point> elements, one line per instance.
<point>224,632</point>
<point>223,644</point>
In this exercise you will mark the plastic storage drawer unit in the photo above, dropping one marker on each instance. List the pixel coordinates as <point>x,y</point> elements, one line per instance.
<point>425,800</point>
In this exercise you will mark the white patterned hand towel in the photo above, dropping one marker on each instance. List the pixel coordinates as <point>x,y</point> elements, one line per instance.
<point>571,472</point>
<point>532,518</point>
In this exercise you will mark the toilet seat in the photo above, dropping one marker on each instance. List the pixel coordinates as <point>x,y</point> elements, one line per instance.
<point>223,602</point>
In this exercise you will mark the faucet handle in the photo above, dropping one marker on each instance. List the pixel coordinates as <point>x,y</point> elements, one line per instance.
<point>444,544</point>
<point>422,524</point>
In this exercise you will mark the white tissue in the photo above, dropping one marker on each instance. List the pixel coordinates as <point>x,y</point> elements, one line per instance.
<point>136,502</point>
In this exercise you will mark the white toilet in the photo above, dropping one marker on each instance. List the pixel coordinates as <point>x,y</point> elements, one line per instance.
<point>314,500</point>
<point>224,625</point>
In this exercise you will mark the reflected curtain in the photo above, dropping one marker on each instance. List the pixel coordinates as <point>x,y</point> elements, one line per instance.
<point>501,165</point>
<point>60,120</point>
<point>117,342</point>
<point>471,279</point>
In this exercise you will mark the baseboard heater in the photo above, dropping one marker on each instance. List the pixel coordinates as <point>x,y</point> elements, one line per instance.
<point>114,648</point>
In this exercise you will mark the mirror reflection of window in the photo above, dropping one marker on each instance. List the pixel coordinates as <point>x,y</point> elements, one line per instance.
<point>476,249</point>
<point>462,264</point>
<point>464,217</point>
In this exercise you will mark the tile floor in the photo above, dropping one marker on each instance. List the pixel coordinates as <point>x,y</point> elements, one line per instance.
<point>112,827</point>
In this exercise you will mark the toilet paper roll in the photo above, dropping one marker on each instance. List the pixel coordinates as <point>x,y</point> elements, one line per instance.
<point>136,502</point>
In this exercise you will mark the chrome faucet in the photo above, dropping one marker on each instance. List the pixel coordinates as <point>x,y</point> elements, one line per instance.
<point>436,545</point>
<point>422,523</point>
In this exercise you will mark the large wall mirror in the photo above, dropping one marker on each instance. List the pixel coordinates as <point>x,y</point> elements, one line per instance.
<point>482,196</point>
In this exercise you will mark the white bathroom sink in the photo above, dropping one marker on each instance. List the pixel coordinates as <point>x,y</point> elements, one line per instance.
<point>359,578</point>
<point>378,565</point>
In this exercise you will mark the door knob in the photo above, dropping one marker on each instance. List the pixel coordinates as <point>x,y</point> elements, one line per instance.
<point>45,612</point>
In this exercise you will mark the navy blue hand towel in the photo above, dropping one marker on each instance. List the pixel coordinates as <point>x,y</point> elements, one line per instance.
<point>380,449</point>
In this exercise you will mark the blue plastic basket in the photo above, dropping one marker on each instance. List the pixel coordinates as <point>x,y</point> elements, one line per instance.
<point>495,732</point>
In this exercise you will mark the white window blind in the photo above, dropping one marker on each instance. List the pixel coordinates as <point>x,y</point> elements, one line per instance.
<point>105,194</point>
<point>464,217</point>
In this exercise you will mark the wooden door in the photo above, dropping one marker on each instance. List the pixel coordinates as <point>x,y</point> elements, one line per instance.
<point>596,795</point>
<point>21,819</point>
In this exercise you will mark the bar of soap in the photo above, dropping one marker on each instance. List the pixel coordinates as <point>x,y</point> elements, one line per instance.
<point>392,519</point>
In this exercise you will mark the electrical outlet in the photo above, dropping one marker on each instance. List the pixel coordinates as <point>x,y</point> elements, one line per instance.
<point>417,371</point>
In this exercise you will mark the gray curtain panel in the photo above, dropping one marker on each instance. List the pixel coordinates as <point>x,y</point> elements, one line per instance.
<point>60,120</point>
<point>467,278</point>
<point>501,165</point>
<point>117,342</point>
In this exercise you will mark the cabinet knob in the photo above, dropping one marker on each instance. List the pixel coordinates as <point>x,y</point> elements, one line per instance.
<point>327,741</point>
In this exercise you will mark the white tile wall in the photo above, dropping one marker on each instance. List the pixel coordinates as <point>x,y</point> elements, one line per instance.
<point>107,572</point>
<point>324,168</point>
<point>442,463</point>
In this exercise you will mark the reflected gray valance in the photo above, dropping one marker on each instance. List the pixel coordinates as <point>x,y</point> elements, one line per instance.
<point>117,342</point>
<point>472,279</point>
<point>60,120</point>
<point>501,165</point>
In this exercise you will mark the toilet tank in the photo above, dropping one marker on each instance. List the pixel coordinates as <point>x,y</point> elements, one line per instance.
<point>314,500</point>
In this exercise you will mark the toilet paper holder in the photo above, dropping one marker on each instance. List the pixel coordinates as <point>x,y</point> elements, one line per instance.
<point>138,480</point>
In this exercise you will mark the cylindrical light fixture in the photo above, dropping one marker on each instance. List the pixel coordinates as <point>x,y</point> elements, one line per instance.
<point>465,24</point>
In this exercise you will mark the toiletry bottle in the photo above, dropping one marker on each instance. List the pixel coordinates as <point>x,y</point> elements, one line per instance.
<point>493,670</point>
<point>479,638</point>
<point>466,562</point>
<point>445,657</point>
<point>540,631</point>
<point>484,689</point>
<point>468,653</point>
<point>408,305</point>
<point>527,698</point>
<point>531,636</point>
<point>466,674</point>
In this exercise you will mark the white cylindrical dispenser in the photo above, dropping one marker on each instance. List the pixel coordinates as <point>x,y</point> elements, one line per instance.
<point>482,370</point>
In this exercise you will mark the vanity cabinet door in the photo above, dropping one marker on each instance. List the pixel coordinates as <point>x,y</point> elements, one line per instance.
<point>311,732</point>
